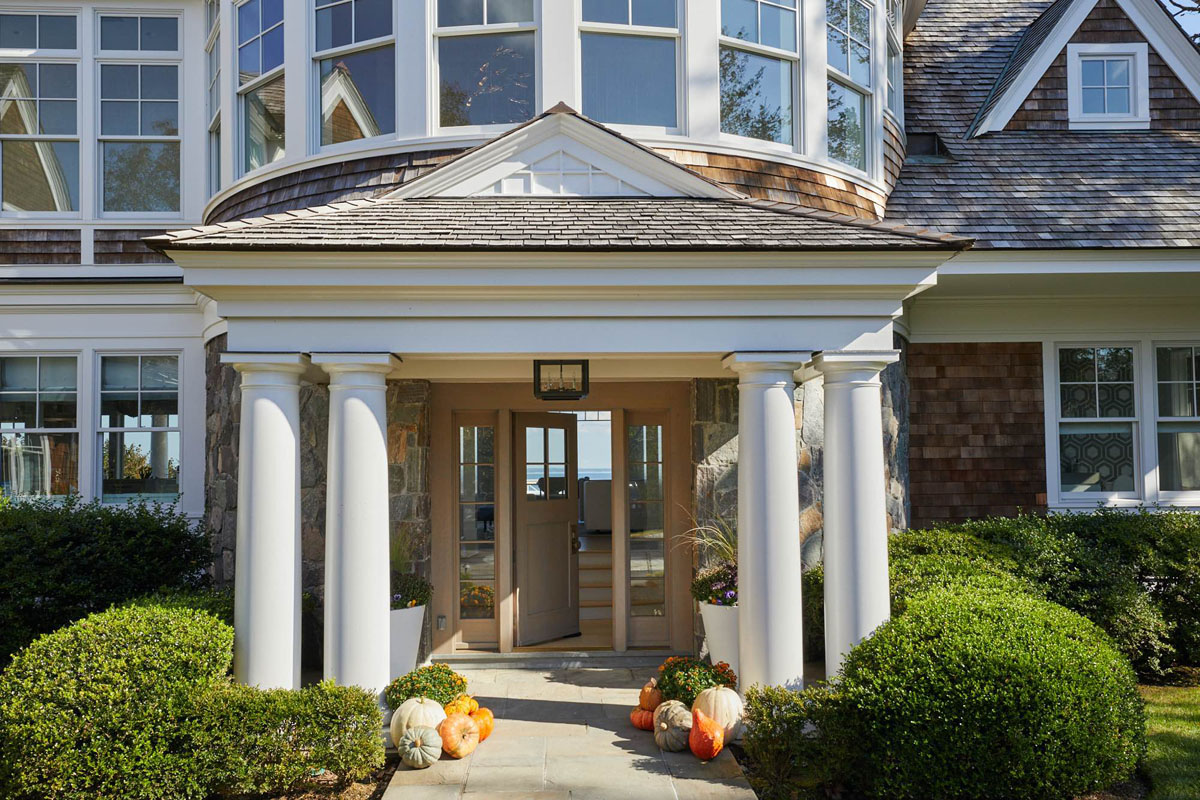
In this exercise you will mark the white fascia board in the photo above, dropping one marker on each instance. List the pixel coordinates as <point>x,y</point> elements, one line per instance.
<point>464,176</point>
<point>1014,97</point>
<point>1071,262</point>
<point>1167,40</point>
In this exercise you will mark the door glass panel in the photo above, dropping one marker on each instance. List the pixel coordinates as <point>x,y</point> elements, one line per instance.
<point>556,481</point>
<point>558,446</point>
<point>647,544</point>
<point>476,521</point>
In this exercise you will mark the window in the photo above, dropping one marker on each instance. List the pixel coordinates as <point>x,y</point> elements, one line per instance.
<point>849,39</point>
<point>647,545</point>
<point>38,32</point>
<point>1108,86</point>
<point>630,73</point>
<point>139,135</point>
<point>139,427</point>
<point>485,78</point>
<point>1096,412</point>
<point>1178,419</point>
<point>847,125</point>
<point>849,25</point>
<point>39,136</point>
<point>261,78</point>
<point>894,70</point>
<point>758,63</point>
<point>214,103</point>
<point>477,522</point>
<point>39,426</point>
<point>357,85</point>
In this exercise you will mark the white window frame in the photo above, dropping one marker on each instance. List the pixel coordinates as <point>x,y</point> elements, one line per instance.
<point>1137,54</point>
<point>438,33</point>
<point>78,429</point>
<point>315,101</point>
<point>243,89</point>
<point>871,143</point>
<point>54,56</point>
<point>212,60</point>
<point>796,59</point>
<point>1180,498</point>
<point>615,28</point>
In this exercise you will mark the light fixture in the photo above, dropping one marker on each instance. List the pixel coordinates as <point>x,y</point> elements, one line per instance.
<point>560,380</point>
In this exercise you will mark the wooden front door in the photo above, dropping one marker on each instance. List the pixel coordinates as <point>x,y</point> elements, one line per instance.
<point>545,522</point>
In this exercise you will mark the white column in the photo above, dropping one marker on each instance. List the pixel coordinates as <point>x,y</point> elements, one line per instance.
<point>266,651</point>
<point>357,552</point>
<point>769,621</point>
<point>857,595</point>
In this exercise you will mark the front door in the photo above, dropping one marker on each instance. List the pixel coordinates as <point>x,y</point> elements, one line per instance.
<point>545,522</point>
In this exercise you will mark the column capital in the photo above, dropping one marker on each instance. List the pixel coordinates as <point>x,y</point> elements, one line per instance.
<point>844,366</point>
<point>268,369</point>
<point>747,363</point>
<point>340,364</point>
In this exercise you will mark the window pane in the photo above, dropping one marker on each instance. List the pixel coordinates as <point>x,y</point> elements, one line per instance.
<point>272,13</point>
<point>1116,399</point>
<point>358,96</point>
<point>160,83</point>
<point>119,372</point>
<point>140,465</point>
<point>477,562</point>
<point>656,13</point>
<point>118,81</point>
<point>250,60</point>
<point>39,465</point>
<point>1078,400</point>
<point>335,27</point>
<point>1179,456</point>
<point>1076,364</point>
<point>739,18</point>
<point>56,117</point>
<point>118,33</point>
<point>645,444</point>
<point>1176,364</point>
<point>500,11</point>
<point>118,409</point>
<point>847,137</point>
<point>558,446</point>
<point>756,96</point>
<point>451,13</point>
<point>860,64</point>
<point>159,410</point>
<point>476,445</point>
<point>835,14</point>
<point>57,32</point>
<point>18,373</point>
<point>1117,72</point>
<point>57,410</point>
<point>1091,72</point>
<point>272,49</point>
<point>838,51</point>
<point>160,119</point>
<point>40,176</point>
<point>1093,101</point>
<point>1118,101</point>
<point>18,410</point>
<point>265,135</point>
<point>477,484</point>
<point>476,600</point>
<point>18,80</point>
<point>860,21</point>
<point>486,79</point>
<point>629,79</point>
<point>477,523</point>
<point>606,11</point>
<point>160,372</point>
<point>778,27</point>
<point>1177,400</point>
<point>160,33</point>
<point>57,374</point>
<point>372,18</point>
<point>1097,458</point>
<point>247,21</point>
<point>18,31</point>
<point>645,481</point>
<point>141,176</point>
<point>1114,364</point>
<point>535,452</point>
<point>57,80</point>
<point>556,481</point>
<point>119,118</point>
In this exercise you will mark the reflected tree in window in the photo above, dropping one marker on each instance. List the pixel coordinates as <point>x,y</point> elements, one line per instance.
<point>486,79</point>
<point>141,176</point>
<point>847,138</point>
<point>746,107</point>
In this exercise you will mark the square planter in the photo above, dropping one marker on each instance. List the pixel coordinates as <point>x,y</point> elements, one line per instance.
<point>406,625</point>
<point>721,633</point>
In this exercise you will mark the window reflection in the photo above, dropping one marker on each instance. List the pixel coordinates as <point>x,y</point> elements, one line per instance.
<point>629,79</point>
<point>647,545</point>
<point>847,132</point>
<point>486,79</point>
<point>265,136</point>
<point>358,96</point>
<point>756,96</point>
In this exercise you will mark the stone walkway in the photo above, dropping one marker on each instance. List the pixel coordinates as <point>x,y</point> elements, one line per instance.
<point>566,734</point>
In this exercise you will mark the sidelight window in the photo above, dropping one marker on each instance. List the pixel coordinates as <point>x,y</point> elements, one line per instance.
<point>477,521</point>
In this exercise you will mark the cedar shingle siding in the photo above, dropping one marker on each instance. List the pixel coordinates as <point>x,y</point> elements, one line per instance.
<point>126,247</point>
<point>1172,106</point>
<point>976,430</point>
<point>25,246</point>
<point>893,151</point>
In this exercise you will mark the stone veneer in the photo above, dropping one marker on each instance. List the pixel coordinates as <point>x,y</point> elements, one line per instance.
<point>408,478</point>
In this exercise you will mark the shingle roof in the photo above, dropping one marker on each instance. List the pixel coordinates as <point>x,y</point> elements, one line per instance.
<point>1031,189</point>
<point>531,223</point>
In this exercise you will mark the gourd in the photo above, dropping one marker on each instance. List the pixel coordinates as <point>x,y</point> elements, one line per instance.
<point>463,704</point>
<point>706,738</point>
<point>416,712</point>
<point>672,724</point>
<point>642,719</point>
<point>725,708</point>
<point>651,697</point>
<point>460,735</point>
<point>486,721</point>
<point>420,747</point>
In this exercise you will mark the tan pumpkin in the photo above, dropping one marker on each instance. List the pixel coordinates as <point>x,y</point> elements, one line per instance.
<point>460,735</point>
<point>486,721</point>
<point>672,724</point>
<point>707,738</point>
<point>651,697</point>
<point>642,719</point>
<point>463,704</point>
<point>414,713</point>
<point>723,706</point>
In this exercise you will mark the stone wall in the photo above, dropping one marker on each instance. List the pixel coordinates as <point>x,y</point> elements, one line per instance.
<point>408,479</point>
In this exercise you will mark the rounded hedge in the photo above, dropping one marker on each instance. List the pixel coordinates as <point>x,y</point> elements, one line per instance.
<point>102,707</point>
<point>976,693</point>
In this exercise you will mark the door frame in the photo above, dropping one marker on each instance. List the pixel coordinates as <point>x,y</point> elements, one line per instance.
<point>453,404</point>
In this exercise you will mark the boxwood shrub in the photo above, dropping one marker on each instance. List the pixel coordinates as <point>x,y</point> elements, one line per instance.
<point>60,561</point>
<point>102,707</point>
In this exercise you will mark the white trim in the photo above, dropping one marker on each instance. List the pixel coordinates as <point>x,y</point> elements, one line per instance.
<point>1136,54</point>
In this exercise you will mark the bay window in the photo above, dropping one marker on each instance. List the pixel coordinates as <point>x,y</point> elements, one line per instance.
<point>261,80</point>
<point>1178,418</point>
<point>139,427</point>
<point>759,60</point>
<point>213,60</point>
<point>39,426</point>
<point>1096,421</point>
<point>629,59</point>
<point>487,71</point>
<point>849,27</point>
<point>357,81</point>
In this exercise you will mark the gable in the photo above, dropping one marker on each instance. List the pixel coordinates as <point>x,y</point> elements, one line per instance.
<point>1172,106</point>
<point>564,175</point>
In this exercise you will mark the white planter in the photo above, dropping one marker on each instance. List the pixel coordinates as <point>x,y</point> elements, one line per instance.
<point>721,632</point>
<point>405,626</point>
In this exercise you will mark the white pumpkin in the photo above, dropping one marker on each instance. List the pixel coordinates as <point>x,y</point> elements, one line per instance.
<point>416,712</point>
<point>723,706</point>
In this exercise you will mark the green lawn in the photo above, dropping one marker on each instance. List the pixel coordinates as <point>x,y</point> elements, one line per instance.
<point>1173,763</point>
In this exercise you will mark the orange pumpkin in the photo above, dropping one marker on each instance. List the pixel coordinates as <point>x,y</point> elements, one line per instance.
<point>463,704</point>
<point>460,735</point>
<point>651,696</point>
<point>642,719</point>
<point>486,721</point>
<point>707,738</point>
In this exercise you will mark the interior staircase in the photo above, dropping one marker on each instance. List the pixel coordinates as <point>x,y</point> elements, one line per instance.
<point>595,578</point>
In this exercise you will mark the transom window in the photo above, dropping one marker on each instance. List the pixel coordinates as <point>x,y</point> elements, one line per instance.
<point>849,38</point>
<point>39,426</point>
<point>759,61</point>
<point>139,34</point>
<point>139,427</point>
<point>1178,419</point>
<point>485,77</point>
<point>38,32</point>
<point>630,68</point>
<point>357,84</point>
<point>1097,412</point>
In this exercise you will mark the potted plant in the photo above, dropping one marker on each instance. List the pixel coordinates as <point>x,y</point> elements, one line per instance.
<point>715,588</point>
<point>410,594</point>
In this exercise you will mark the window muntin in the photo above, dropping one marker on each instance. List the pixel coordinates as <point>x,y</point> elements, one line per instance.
<point>847,125</point>
<point>477,521</point>
<point>260,38</point>
<point>849,39</point>
<point>1178,418</point>
<point>39,426</point>
<point>39,137</point>
<point>139,429</point>
<point>1106,85</point>
<point>629,57</point>
<point>647,543</point>
<point>139,34</point>
<point>39,32</point>
<point>772,23</point>
<point>139,138</point>
<point>344,22</point>
<point>1096,413</point>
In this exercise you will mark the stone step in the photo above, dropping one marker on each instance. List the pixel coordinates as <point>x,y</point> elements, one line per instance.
<point>582,659</point>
